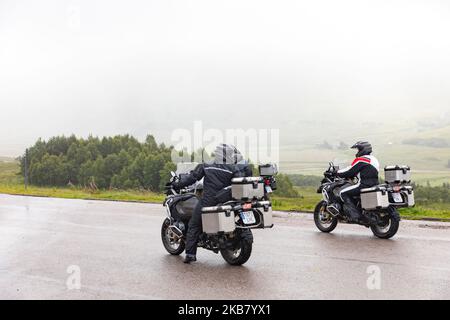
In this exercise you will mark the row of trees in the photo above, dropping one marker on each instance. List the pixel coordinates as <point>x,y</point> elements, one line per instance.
<point>430,195</point>
<point>111,162</point>
<point>120,162</point>
<point>326,145</point>
<point>285,187</point>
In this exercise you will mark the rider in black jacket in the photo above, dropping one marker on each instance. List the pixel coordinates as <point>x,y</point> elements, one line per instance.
<point>217,176</point>
<point>365,170</point>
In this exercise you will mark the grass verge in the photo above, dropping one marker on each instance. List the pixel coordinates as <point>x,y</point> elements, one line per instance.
<point>76,193</point>
<point>305,203</point>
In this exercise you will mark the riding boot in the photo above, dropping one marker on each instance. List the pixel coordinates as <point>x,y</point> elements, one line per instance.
<point>190,258</point>
<point>351,210</point>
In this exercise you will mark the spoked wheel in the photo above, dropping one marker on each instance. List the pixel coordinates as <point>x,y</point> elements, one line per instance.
<point>324,220</point>
<point>388,225</point>
<point>240,253</point>
<point>171,241</point>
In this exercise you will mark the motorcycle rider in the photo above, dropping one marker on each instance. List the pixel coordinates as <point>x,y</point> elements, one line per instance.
<point>217,176</point>
<point>365,169</point>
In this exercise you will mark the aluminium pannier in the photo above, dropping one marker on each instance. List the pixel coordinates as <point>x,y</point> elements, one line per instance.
<point>408,195</point>
<point>265,209</point>
<point>374,198</point>
<point>218,219</point>
<point>247,188</point>
<point>267,170</point>
<point>397,174</point>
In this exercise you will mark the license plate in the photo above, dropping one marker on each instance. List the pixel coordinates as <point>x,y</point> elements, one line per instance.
<point>269,189</point>
<point>248,217</point>
<point>397,197</point>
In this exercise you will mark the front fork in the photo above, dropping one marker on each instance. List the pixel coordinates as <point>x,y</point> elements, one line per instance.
<point>325,196</point>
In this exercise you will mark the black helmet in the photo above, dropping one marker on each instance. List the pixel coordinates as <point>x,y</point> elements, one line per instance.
<point>227,153</point>
<point>364,148</point>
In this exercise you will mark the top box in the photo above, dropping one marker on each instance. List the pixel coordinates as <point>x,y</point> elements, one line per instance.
<point>269,169</point>
<point>397,174</point>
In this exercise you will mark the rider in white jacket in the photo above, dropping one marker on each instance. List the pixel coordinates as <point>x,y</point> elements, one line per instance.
<point>365,169</point>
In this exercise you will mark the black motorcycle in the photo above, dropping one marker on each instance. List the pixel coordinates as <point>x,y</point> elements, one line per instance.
<point>383,221</point>
<point>234,246</point>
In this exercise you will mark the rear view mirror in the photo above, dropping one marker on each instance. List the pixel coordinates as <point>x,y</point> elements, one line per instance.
<point>173,174</point>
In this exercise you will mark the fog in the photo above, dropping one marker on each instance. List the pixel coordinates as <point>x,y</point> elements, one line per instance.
<point>310,68</point>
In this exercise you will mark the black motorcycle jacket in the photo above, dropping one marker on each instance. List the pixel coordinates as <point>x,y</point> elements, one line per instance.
<point>364,168</point>
<point>216,178</point>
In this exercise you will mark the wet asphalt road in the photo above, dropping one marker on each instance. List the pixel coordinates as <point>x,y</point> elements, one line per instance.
<point>118,250</point>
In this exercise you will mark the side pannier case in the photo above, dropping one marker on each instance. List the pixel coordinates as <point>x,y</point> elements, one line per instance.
<point>408,195</point>
<point>374,198</point>
<point>247,188</point>
<point>218,219</point>
<point>397,174</point>
<point>265,209</point>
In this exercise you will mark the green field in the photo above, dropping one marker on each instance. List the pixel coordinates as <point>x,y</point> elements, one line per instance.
<point>11,183</point>
<point>8,173</point>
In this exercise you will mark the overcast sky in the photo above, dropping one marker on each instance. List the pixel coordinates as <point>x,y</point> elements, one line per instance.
<point>108,67</point>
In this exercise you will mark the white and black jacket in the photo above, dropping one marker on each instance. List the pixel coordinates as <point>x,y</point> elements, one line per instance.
<point>365,168</point>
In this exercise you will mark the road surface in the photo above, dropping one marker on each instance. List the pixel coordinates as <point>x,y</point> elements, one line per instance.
<point>114,250</point>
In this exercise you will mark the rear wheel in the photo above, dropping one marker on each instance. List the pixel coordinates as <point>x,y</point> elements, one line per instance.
<point>388,225</point>
<point>324,220</point>
<point>241,252</point>
<point>171,241</point>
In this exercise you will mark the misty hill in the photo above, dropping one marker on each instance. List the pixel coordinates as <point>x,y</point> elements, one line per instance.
<point>430,162</point>
<point>7,159</point>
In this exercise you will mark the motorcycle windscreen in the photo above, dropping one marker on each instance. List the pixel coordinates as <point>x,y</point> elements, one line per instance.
<point>186,208</point>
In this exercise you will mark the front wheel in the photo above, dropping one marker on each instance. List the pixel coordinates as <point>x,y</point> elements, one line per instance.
<point>172,243</point>
<point>241,252</point>
<point>388,225</point>
<point>324,220</point>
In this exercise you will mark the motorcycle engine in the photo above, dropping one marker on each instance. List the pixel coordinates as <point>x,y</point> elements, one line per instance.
<point>180,225</point>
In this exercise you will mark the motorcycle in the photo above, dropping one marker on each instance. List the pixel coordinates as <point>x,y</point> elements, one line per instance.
<point>384,222</point>
<point>235,245</point>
